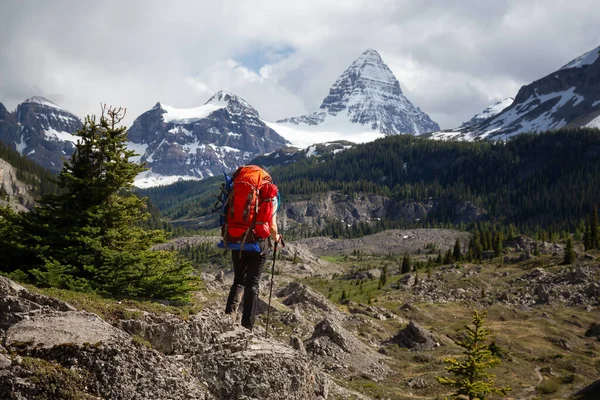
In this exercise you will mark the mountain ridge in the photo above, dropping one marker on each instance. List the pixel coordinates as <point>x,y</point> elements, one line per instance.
<point>183,144</point>
<point>568,97</point>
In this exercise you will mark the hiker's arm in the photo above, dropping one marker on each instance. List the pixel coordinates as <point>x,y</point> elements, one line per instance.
<point>273,224</point>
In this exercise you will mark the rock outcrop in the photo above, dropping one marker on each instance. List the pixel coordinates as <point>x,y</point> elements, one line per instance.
<point>414,337</point>
<point>50,348</point>
<point>332,345</point>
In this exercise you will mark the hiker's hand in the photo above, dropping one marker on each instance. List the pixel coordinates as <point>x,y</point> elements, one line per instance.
<point>280,240</point>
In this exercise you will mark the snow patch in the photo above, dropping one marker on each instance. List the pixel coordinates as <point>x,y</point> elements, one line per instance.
<point>494,109</point>
<point>180,129</point>
<point>303,136</point>
<point>311,151</point>
<point>54,135</point>
<point>21,145</point>
<point>42,101</point>
<point>588,58</point>
<point>342,149</point>
<point>189,115</point>
<point>139,148</point>
<point>595,123</point>
<point>148,179</point>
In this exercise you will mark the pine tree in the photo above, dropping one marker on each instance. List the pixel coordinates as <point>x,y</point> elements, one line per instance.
<point>383,277</point>
<point>439,260</point>
<point>471,379</point>
<point>89,237</point>
<point>448,257</point>
<point>569,256</point>
<point>497,244</point>
<point>405,264</point>
<point>587,234</point>
<point>456,253</point>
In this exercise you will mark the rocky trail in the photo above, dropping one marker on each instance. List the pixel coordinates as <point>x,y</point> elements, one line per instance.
<point>389,344</point>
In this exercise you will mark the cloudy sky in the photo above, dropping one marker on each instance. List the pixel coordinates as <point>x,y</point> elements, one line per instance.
<point>452,58</point>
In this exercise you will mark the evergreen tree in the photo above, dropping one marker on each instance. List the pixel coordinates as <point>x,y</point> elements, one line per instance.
<point>497,244</point>
<point>448,257</point>
<point>88,237</point>
<point>439,260</point>
<point>456,253</point>
<point>405,264</point>
<point>536,249</point>
<point>383,276</point>
<point>569,256</point>
<point>471,379</point>
<point>587,235</point>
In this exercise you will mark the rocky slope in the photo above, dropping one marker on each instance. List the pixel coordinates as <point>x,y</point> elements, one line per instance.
<point>13,192</point>
<point>367,96</point>
<point>568,97</point>
<point>51,350</point>
<point>195,143</point>
<point>316,212</point>
<point>41,130</point>
<point>380,341</point>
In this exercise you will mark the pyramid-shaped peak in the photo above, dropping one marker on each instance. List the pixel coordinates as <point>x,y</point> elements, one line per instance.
<point>367,94</point>
<point>369,66</point>
<point>371,54</point>
<point>42,101</point>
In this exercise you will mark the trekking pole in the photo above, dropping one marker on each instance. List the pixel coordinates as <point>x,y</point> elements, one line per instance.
<point>271,290</point>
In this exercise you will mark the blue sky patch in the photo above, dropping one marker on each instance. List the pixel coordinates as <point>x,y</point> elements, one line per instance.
<point>259,57</point>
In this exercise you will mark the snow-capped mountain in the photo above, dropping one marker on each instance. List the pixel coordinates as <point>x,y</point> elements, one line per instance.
<point>199,142</point>
<point>41,130</point>
<point>367,98</point>
<point>489,112</point>
<point>568,97</point>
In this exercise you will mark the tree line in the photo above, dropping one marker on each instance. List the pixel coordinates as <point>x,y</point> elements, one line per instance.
<point>540,184</point>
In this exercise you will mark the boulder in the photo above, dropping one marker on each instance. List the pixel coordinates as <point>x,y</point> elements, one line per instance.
<point>417,383</point>
<point>590,392</point>
<point>331,343</point>
<point>17,303</point>
<point>75,328</point>
<point>593,331</point>
<point>298,345</point>
<point>414,337</point>
<point>310,301</point>
<point>407,280</point>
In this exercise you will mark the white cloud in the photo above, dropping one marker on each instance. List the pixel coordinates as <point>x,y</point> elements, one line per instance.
<point>452,58</point>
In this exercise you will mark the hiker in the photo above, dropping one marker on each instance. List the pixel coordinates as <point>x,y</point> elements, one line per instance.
<point>249,229</point>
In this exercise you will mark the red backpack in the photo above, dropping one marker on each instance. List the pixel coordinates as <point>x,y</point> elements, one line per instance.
<point>248,209</point>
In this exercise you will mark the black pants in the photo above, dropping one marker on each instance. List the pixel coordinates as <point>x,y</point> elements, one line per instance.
<point>247,268</point>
